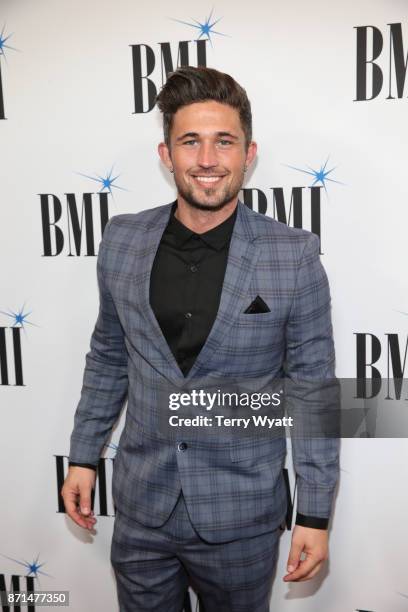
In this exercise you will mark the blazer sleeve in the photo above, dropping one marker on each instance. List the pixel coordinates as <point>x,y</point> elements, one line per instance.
<point>311,389</point>
<point>105,379</point>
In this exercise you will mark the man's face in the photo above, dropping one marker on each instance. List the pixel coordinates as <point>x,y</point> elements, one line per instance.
<point>207,153</point>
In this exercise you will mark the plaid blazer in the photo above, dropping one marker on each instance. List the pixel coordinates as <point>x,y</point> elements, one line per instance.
<point>234,489</point>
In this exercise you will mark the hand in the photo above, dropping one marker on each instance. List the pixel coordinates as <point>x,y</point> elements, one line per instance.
<point>312,542</point>
<point>76,493</point>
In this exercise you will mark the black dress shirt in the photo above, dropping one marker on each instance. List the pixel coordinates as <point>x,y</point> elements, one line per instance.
<point>185,289</point>
<point>186,283</point>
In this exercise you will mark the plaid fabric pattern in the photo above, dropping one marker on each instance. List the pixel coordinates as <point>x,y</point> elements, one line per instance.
<point>153,567</point>
<point>234,489</point>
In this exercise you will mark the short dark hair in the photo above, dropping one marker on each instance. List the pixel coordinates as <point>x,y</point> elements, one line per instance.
<point>189,84</point>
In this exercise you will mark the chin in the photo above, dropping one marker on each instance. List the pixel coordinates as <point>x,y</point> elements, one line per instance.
<point>206,205</point>
<point>210,199</point>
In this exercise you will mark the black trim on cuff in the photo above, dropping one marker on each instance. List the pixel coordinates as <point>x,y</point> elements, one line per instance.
<point>311,521</point>
<point>87,465</point>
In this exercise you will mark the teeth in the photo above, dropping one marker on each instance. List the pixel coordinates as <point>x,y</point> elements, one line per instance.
<point>208,179</point>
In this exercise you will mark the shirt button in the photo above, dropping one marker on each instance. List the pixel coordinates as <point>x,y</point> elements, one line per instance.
<point>182,446</point>
<point>193,268</point>
<point>188,315</point>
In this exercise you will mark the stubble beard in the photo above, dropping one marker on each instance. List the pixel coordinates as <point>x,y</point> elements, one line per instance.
<point>223,198</point>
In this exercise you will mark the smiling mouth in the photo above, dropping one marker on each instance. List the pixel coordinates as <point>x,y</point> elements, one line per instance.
<point>208,180</point>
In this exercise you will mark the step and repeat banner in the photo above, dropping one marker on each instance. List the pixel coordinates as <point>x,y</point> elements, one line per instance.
<point>79,133</point>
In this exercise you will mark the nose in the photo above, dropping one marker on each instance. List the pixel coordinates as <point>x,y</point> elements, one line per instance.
<point>207,156</point>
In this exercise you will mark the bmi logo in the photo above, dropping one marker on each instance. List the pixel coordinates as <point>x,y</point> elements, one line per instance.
<point>11,355</point>
<point>16,583</point>
<point>369,349</point>
<point>381,62</point>
<point>65,227</point>
<point>291,210</point>
<point>151,66</point>
<point>101,500</point>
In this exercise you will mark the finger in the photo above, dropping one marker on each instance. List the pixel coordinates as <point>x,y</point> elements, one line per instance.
<point>87,521</point>
<point>313,573</point>
<point>304,568</point>
<point>294,557</point>
<point>85,500</point>
<point>71,508</point>
<point>85,511</point>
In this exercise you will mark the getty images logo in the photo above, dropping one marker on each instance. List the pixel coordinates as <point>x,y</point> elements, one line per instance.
<point>377,67</point>
<point>65,229</point>
<point>146,82</point>
<point>292,212</point>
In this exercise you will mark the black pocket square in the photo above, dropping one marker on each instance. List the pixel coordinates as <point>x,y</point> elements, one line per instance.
<point>257,306</point>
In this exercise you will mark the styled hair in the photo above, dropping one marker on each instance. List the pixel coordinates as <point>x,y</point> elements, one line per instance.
<point>189,84</point>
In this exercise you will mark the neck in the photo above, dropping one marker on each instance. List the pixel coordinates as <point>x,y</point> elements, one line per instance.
<point>200,221</point>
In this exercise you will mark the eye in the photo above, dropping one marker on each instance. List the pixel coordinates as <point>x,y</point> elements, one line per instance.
<point>189,141</point>
<point>225,142</point>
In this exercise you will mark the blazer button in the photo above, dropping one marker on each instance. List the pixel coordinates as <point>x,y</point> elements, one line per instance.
<point>182,446</point>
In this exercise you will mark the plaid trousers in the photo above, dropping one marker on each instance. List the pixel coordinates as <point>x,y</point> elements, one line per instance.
<point>155,566</point>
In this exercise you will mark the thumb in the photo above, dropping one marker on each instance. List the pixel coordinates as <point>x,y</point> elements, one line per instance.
<point>294,557</point>
<point>85,500</point>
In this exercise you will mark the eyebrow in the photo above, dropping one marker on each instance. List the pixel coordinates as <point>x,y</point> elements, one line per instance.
<point>196,135</point>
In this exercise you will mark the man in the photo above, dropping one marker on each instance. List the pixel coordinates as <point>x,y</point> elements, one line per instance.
<point>198,288</point>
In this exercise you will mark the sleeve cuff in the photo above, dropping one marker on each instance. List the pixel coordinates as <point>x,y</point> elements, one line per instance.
<point>87,465</point>
<point>311,521</point>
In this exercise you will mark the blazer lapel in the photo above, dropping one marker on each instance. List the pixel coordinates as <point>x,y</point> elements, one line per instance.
<point>147,247</point>
<point>242,258</point>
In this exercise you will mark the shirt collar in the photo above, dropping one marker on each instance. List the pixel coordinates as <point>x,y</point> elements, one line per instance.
<point>216,238</point>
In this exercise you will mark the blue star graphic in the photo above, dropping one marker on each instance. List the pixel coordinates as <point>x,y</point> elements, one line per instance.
<point>206,28</point>
<point>320,176</point>
<point>106,182</point>
<point>20,318</point>
<point>3,40</point>
<point>33,567</point>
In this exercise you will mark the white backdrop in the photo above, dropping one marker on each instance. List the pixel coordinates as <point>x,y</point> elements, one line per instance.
<point>67,87</point>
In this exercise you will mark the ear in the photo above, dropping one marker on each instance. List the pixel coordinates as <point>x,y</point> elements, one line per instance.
<point>251,153</point>
<point>164,154</point>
